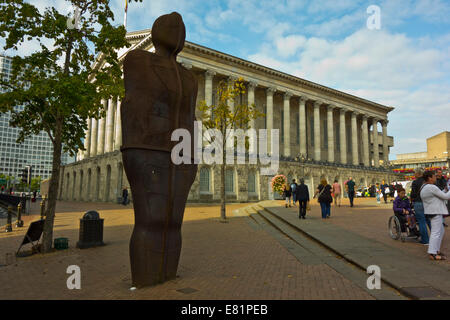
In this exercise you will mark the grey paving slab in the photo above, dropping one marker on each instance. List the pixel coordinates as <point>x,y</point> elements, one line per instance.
<point>310,252</point>
<point>398,268</point>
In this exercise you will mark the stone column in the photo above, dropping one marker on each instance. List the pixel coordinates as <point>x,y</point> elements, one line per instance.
<point>87,141</point>
<point>342,136</point>
<point>109,126</point>
<point>302,124</point>
<point>101,131</point>
<point>330,127</point>
<point>287,124</point>
<point>269,117</point>
<point>209,75</point>
<point>317,144</point>
<point>376,156</point>
<point>94,135</point>
<point>231,80</point>
<point>365,142</point>
<point>384,124</point>
<point>118,120</point>
<point>251,100</point>
<point>355,156</point>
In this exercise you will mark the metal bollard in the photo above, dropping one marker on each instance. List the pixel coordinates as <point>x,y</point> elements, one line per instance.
<point>42,209</point>
<point>8,221</point>
<point>19,222</point>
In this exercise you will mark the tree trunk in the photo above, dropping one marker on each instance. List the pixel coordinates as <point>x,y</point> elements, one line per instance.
<point>47,237</point>
<point>223,216</point>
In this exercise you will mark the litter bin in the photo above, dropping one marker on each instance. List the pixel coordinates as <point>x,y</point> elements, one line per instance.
<point>91,231</point>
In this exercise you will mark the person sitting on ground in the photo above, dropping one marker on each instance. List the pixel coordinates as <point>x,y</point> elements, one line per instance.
<point>403,211</point>
<point>287,195</point>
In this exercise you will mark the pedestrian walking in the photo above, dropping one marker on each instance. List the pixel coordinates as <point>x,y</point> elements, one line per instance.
<point>378,194</point>
<point>336,189</point>
<point>434,206</point>
<point>384,190</point>
<point>125,196</point>
<point>324,197</point>
<point>416,200</point>
<point>287,195</point>
<point>351,190</point>
<point>302,195</point>
<point>294,194</point>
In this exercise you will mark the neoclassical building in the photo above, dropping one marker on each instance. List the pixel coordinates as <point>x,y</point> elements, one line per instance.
<point>324,133</point>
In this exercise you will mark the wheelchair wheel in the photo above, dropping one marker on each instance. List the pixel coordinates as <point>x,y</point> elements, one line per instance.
<point>395,230</point>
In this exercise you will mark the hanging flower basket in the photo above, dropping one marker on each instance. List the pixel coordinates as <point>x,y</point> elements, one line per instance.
<point>278,182</point>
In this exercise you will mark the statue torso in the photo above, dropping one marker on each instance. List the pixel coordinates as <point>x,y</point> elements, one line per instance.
<point>157,101</point>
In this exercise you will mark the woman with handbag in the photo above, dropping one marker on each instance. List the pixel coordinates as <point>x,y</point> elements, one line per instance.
<point>324,198</point>
<point>302,195</point>
<point>287,195</point>
<point>435,209</point>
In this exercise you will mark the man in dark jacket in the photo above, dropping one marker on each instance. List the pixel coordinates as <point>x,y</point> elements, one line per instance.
<point>125,196</point>
<point>418,206</point>
<point>384,190</point>
<point>302,195</point>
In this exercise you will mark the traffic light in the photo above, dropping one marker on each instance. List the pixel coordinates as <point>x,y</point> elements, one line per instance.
<point>24,175</point>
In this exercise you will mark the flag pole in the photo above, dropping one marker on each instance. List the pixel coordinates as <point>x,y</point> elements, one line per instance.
<point>125,16</point>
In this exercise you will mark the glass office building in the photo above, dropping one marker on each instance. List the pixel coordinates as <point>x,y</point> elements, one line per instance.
<point>36,150</point>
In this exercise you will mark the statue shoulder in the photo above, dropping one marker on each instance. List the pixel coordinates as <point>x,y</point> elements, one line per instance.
<point>138,59</point>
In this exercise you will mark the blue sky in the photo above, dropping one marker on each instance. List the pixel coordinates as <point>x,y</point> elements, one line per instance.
<point>405,64</point>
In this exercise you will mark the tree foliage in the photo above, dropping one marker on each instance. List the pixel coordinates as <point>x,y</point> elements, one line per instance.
<point>222,117</point>
<point>61,84</point>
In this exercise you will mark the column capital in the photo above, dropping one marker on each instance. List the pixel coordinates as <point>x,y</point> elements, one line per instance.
<point>355,113</point>
<point>232,78</point>
<point>317,103</point>
<point>252,84</point>
<point>287,95</point>
<point>331,107</point>
<point>210,73</point>
<point>303,98</point>
<point>271,90</point>
<point>187,65</point>
<point>384,122</point>
<point>343,110</point>
<point>365,117</point>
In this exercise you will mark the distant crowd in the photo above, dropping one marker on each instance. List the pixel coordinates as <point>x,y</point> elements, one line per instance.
<point>426,206</point>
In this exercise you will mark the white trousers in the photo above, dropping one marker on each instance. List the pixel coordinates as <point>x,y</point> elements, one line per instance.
<point>437,234</point>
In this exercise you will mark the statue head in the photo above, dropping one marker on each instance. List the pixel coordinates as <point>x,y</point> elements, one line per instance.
<point>168,34</point>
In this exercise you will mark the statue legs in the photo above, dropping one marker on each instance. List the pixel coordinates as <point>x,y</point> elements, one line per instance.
<point>155,244</point>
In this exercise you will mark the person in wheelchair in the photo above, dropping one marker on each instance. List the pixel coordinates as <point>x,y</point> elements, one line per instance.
<point>403,211</point>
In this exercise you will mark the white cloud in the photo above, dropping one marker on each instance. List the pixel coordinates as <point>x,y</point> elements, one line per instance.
<point>391,69</point>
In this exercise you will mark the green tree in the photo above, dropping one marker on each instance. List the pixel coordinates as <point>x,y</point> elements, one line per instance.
<point>60,85</point>
<point>222,117</point>
<point>36,184</point>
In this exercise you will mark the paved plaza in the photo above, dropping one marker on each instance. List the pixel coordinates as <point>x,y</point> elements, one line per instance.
<point>234,260</point>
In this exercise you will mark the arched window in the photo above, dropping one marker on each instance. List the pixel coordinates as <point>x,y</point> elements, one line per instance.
<point>251,182</point>
<point>204,180</point>
<point>229,181</point>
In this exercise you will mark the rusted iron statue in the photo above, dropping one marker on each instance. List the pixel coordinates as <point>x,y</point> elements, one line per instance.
<point>160,96</point>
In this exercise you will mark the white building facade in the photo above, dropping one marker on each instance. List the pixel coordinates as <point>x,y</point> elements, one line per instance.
<point>324,133</point>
